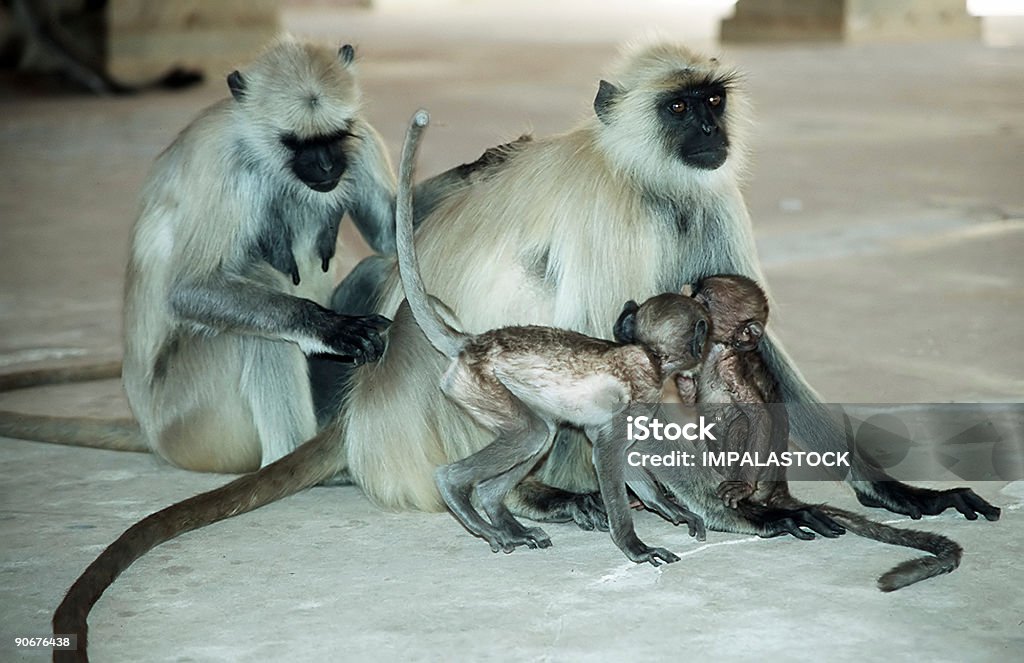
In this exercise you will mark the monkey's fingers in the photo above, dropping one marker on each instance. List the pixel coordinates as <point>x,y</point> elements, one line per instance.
<point>820,522</point>
<point>790,526</point>
<point>358,338</point>
<point>733,492</point>
<point>915,502</point>
<point>697,528</point>
<point>537,538</point>
<point>969,503</point>
<point>658,555</point>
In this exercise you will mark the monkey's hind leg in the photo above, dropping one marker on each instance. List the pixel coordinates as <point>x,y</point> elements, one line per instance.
<point>492,492</point>
<point>564,487</point>
<point>509,453</point>
<point>275,381</point>
<point>196,417</point>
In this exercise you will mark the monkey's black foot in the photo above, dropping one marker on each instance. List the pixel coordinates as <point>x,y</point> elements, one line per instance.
<point>535,537</point>
<point>776,522</point>
<point>917,502</point>
<point>503,541</point>
<point>639,552</point>
<point>537,501</point>
<point>356,337</point>
<point>733,492</point>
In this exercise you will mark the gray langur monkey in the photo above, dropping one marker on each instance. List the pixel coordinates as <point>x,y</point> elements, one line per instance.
<point>231,267</point>
<point>519,383</point>
<point>231,261</point>
<point>641,198</point>
<point>734,387</point>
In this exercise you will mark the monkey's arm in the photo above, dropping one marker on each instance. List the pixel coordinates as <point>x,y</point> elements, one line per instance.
<point>815,427</point>
<point>227,303</point>
<point>372,201</point>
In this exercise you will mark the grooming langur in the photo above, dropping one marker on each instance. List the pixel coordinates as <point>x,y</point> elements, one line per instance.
<point>231,262</point>
<point>519,383</point>
<point>640,199</point>
<point>734,387</point>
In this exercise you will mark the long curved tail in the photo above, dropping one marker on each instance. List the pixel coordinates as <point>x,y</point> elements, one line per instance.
<point>112,434</point>
<point>39,377</point>
<point>313,462</point>
<point>945,553</point>
<point>445,340</point>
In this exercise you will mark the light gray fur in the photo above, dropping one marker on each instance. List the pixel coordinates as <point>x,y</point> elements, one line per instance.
<point>215,338</point>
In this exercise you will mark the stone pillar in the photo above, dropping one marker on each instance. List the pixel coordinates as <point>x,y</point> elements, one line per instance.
<point>849,20</point>
<point>145,38</point>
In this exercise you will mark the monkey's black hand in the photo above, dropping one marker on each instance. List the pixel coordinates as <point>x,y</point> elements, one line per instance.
<point>359,338</point>
<point>917,502</point>
<point>733,492</point>
<point>625,326</point>
<point>776,522</point>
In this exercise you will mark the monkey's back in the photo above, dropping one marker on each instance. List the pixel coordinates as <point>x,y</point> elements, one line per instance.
<point>563,375</point>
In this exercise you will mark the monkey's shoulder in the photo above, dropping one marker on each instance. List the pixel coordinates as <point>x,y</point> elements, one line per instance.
<point>492,158</point>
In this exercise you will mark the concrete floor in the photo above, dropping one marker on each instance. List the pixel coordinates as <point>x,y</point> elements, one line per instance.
<point>888,199</point>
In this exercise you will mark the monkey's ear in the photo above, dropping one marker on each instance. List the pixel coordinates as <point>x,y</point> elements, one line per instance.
<point>606,95</point>
<point>625,326</point>
<point>237,85</point>
<point>749,335</point>
<point>347,54</point>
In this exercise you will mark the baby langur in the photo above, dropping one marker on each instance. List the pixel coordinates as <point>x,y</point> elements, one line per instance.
<point>735,386</point>
<point>519,383</point>
<point>734,383</point>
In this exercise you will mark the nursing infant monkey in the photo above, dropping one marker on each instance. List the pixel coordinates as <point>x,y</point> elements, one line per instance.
<point>519,383</point>
<point>735,385</point>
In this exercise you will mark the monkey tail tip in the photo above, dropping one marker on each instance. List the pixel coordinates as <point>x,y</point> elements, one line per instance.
<point>421,118</point>
<point>916,570</point>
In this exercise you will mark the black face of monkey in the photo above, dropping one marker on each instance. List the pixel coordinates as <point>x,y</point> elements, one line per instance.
<point>693,119</point>
<point>319,162</point>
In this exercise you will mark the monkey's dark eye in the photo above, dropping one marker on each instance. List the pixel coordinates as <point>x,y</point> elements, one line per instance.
<point>715,100</point>
<point>677,106</point>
